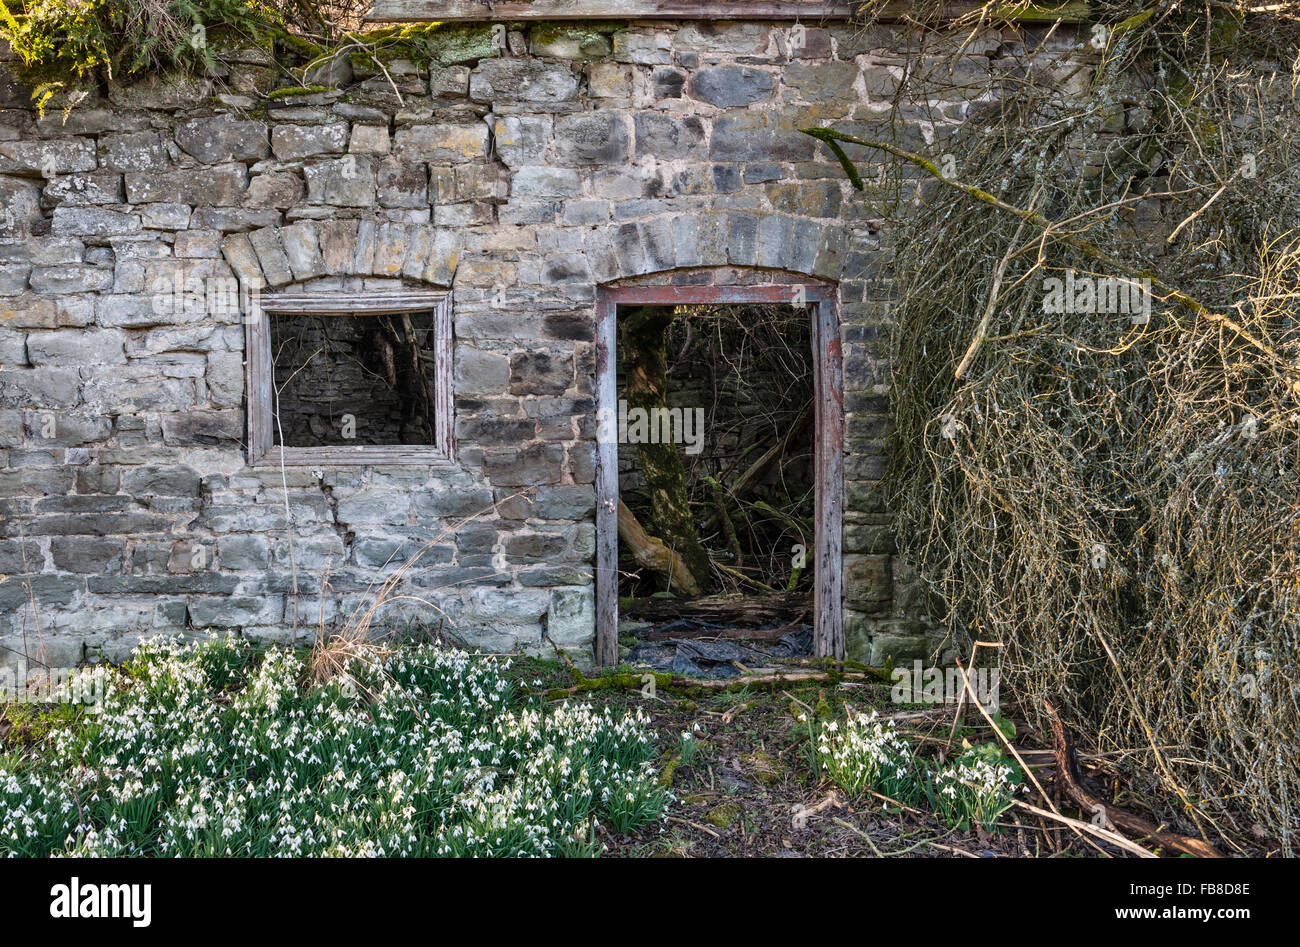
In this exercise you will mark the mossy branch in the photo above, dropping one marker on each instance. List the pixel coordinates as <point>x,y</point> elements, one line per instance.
<point>1091,250</point>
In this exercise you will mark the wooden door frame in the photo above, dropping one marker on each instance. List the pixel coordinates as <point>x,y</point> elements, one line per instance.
<point>828,387</point>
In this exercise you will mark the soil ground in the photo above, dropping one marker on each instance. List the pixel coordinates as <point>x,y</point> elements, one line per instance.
<point>750,788</point>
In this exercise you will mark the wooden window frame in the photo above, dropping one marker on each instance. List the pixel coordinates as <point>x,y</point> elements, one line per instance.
<point>263,451</point>
<point>828,388</point>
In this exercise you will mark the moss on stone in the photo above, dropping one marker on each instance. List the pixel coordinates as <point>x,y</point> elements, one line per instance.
<point>424,43</point>
<point>571,41</point>
<point>765,768</point>
<point>299,46</point>
<point>724,814</point>
<point>670,770</point>
<point>293,91</point>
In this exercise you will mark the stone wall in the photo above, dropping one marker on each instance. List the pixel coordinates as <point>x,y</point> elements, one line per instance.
<point>519,177</point>
<point>341,381</point>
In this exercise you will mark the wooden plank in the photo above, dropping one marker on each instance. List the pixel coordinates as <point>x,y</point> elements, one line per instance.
<point>810,11</point>
<point>363,455</point>
<point>447,11</point>
<point>259,382</point>
<point>777,293</point>
<point>354,304</point>
<point>607,480</point>
<point>828,591</point>
<point>443,395</point>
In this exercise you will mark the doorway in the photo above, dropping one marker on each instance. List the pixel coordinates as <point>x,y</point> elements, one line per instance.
<point>804,439</point>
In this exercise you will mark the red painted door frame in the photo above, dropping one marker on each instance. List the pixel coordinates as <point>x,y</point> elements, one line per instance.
<point>828,386</point>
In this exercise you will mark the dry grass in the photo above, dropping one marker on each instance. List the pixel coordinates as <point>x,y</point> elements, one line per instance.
<point>1117,503</point>
<point>333,651</point>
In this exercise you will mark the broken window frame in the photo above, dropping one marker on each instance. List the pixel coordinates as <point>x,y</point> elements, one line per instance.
<point>263,447</point>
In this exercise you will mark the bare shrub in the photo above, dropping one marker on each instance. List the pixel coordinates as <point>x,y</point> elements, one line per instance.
<point>1114,500</point>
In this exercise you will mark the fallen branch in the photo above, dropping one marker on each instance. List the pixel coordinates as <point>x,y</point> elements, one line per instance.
<point>695,687</point>
<point>1068,775</point>
<point>751,475</point>
<point>982,329</point>
<point>1078,825</point>
<point>732,608</point>
<point>651,553</point>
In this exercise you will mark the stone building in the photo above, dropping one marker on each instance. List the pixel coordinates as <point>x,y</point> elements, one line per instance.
<point>523,180</point>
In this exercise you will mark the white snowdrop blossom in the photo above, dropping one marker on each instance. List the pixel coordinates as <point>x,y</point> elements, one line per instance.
<point>866,754</point>
<point>974,789</point>
<point>209,749</point>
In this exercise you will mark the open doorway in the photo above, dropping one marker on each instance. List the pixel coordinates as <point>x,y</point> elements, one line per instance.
<point>720,477</point>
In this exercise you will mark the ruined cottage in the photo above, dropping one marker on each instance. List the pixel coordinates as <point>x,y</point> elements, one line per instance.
<point>497,206</point>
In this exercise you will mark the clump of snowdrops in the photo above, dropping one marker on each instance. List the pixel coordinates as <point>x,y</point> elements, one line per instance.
<point>212,749</point>
<point>865,753</point>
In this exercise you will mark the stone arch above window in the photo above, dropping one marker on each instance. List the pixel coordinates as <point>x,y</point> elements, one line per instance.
<point>736,238</point>
<point>275,257</point>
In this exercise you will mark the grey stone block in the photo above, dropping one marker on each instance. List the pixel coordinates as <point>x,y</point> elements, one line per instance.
<point>222,138</point>
<point>345,182</point>
<point>301,244</point>
<point>668,136</point>
<point>94,222</point>
<point>571,617</point>
<point>822,82</point>
<point>270,254</point>
<point>80,190</point>
<point>77,347</point>
<point>522,139</point>
<point>441,142</point>
<point>730,86</point>
<point>373,506</point>
<point>191,428</point>
<point>480,373</point>
<point>161,481</point>
<point>759,135</point>
<point>134,151</point>
<point>528,466</point>
<point>657,241</point>
<point>49,157</point>
<point>86,554</point>
<point>775,232</point>
<point>445,502</point>
<point>541,373</point>
<point>231,612</point>
<point>225,378</point>
<point>540,183</point>
<point>39,387</point>
<point>596,138</point>
<point>522,80</point>
<point>403,184</point>
<point>742,239</point>
<point>295,142</point>
<point>221,185</point>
